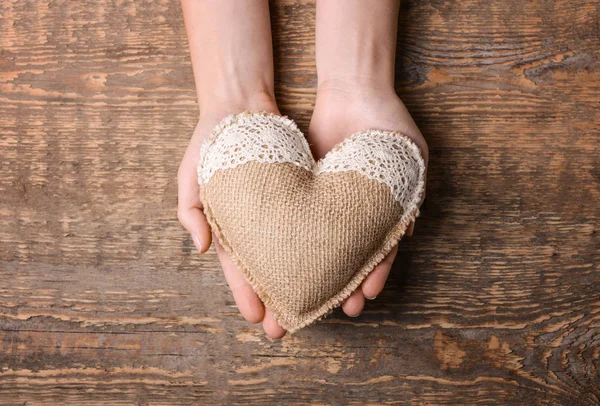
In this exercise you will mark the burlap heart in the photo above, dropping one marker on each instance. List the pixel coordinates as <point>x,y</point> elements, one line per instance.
<point>305,234</point>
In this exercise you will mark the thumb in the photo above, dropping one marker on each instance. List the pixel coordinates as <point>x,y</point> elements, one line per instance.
<point>195,223</point>
<point>189,207</point>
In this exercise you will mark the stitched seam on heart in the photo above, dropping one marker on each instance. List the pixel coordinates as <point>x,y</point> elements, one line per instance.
<point>394,236</point>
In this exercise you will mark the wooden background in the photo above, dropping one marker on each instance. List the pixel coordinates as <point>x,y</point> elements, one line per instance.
<point>104,300</point>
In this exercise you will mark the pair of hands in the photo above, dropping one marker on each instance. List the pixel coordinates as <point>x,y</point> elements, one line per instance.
<point>191,216</point>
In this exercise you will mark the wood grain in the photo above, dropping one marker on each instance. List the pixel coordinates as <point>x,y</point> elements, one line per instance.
<point>495,300</point>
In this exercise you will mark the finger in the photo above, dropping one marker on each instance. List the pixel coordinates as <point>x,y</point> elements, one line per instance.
<point>189,210</point>
<point>246,300</point>
<point>354,303</point>
<point>195,223</point>
<point>410,229</point>
<point>374,282</point>
<point>271,327</point>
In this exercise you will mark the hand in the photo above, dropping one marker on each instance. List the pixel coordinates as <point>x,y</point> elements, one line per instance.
<point>342,109</point>
<point>232,58</point>
<point>191,216</point>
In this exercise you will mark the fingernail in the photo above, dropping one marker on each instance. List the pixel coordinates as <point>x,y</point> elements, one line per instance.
<point>371,298</point>
<point>197,243</point>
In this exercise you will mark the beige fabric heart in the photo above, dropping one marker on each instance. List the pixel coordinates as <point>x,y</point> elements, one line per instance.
<point>305,234</point>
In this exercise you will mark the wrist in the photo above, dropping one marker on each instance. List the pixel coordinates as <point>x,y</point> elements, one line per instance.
<point>365,69</point>
<point>356,86</point>
<point>226,101</point>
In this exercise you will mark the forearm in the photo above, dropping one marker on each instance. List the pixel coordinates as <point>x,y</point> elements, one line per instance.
<point>231,51</point>
<point>366,52</point>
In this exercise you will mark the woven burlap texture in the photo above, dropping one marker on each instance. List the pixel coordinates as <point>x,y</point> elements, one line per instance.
<point>304,241</point>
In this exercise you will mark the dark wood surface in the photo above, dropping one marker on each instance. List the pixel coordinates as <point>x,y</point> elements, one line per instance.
<point>104,300</point>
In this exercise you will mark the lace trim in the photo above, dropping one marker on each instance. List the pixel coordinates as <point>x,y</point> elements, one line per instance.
<point>259,137</point>
<point>387,157</point>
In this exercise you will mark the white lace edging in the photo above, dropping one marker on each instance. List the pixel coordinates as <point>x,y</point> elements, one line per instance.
<point>253,137</point>
<point>388,157</point>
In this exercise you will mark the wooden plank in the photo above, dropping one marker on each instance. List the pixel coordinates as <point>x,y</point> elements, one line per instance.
<point>104,300</point>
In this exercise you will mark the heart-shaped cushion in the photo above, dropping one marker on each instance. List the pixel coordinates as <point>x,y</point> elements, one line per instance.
<point>305,234</point>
